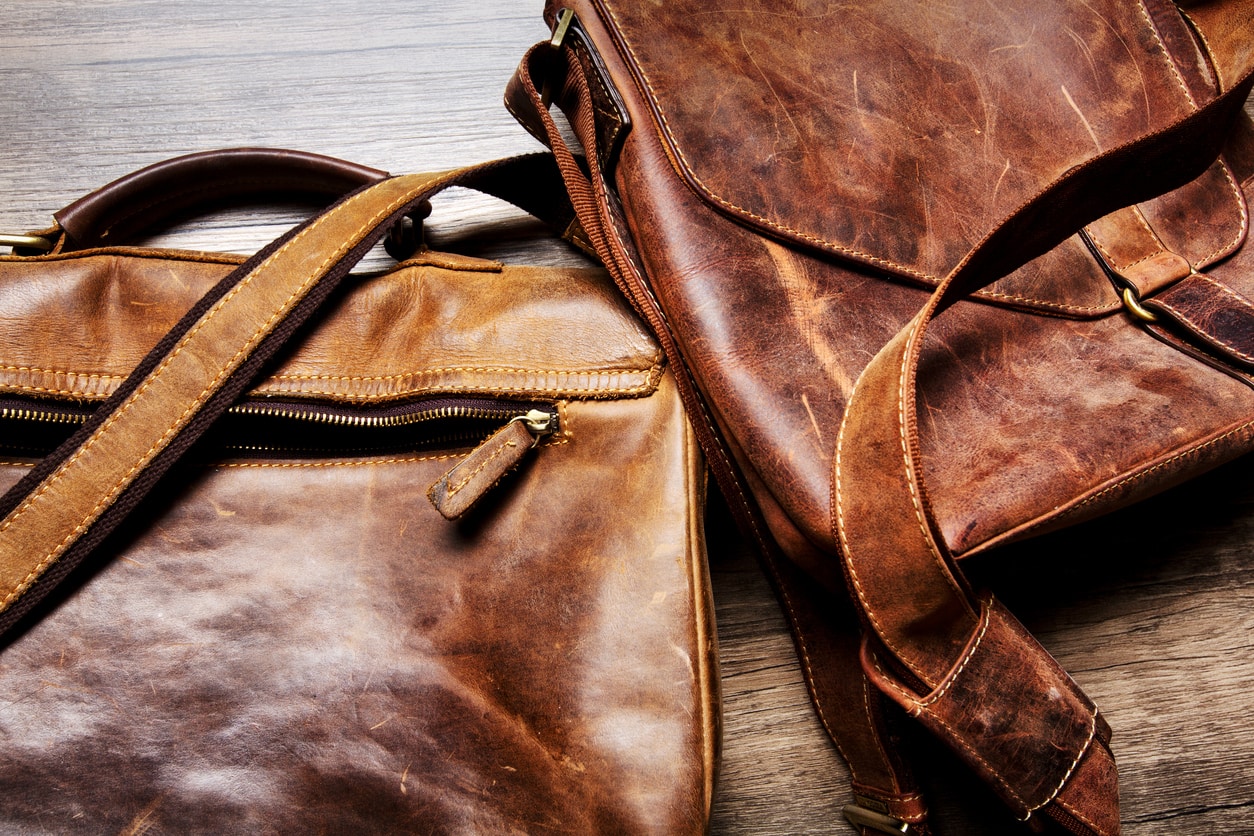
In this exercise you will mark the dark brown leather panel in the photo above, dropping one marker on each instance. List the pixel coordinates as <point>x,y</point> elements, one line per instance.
<point>1212,313</point>
<point>306,646</point>
<point>76,325</point>
<point>823,322</point>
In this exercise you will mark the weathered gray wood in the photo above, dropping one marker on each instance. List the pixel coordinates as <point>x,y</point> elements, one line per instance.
<point>1152,610</point>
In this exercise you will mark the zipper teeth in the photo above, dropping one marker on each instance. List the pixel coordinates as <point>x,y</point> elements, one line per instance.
<point>293,414</point>
<point>341,419</point>
<point>41,416</point>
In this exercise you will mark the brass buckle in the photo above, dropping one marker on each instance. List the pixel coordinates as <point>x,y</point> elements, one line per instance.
<point>862,817</point>
<point>26,242</point>
<point>1133,304</point>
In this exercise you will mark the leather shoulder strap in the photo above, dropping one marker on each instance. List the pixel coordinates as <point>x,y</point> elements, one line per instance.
<point>957,661</point>
<point>61,510</point>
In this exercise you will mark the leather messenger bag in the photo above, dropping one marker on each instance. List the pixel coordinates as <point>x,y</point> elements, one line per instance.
<point>285,633</point>
<point>934,277</point>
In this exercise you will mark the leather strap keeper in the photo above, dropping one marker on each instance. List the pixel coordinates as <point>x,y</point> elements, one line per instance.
<point>1027,755</point>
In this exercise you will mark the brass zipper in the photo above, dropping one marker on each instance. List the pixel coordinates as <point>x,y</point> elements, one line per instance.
<point>540,419</point>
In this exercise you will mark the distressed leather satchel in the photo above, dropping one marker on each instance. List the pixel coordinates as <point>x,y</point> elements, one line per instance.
<point>232,604</point>
<point>933,277</point>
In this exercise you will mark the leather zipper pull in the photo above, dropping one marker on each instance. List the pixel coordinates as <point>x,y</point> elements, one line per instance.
<point>457,491</point>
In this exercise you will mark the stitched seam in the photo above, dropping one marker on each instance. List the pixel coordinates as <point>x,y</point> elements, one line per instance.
<point>1167,463</point>
<point>444,370</point>
<point>1110,259</point>
<point>194,405</point>
<point>1074,765</point>
<point>1204,333</point>
<point>902,422</point>
<point>1064,805</point>
<point>955,736</point>
<point>473,387</point>
<point>611,233</point>
<point>285,465</point>
<point>1144,222</point>
<point>1242,209</point>
<point>1175,71</point>
<point>457,488</point>
<point>48,390</point>
<point>852,570</point>
<point>953,678</point>
<point>726,203</point>
<point>609,230</point>
<point>866,706</point>
<point>563,417</point>
<point>600,82</point>
<point>820,242</point>
<point>1210,52</point>
<point>81,375</point>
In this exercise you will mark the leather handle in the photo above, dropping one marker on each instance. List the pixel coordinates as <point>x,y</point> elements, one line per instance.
<point>156,196</point>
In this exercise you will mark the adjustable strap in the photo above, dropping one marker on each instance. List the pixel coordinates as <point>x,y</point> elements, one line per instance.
<point>957,661</point>
<point>62,509</point>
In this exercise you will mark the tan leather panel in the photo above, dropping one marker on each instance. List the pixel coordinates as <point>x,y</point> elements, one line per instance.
<point>76,325</point>
<point>307,646</point>
<point>70,499</point>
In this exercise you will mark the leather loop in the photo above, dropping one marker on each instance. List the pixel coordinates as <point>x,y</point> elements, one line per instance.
<point>1026,755</point>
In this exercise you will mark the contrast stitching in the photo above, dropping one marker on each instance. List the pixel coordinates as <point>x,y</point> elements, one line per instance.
<point>1202,332</point>
<point>196,402</point>
<point>468,369</point>
<point>363,463</point>
<point>838,499</point>
<point>1166,55</point>
<point>610,231</point>
<point>904,399</point>
<point>955,737</point>
<point>1244,227</point>
<point>879,745</point>
<point>1197,30</point>
<point>1076,763</point>
<point>966,659</point>
<point>1080,816</point>
<point>82,375</point>
<point>454,490</point>
<point>668,133</point>
<point>1192,452</point>
<point>473,387</point>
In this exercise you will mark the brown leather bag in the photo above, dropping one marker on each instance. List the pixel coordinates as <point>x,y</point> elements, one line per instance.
<point>278,632</point>
<point>792,193</point>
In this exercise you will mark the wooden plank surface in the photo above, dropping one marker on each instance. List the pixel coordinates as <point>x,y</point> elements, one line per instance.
<point>1152,610</point>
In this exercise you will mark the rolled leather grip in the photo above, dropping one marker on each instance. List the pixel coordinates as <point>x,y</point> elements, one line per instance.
<point>161,194</point>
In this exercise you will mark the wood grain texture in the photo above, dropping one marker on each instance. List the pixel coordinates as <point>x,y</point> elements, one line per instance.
<point>1151,609</point>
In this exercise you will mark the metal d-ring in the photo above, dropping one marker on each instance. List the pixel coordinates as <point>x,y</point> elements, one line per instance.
<point>1133,304</point>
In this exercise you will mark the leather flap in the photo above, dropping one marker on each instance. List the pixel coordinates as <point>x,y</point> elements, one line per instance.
<point>75,326</point>
<point>898,134</point>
